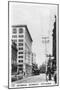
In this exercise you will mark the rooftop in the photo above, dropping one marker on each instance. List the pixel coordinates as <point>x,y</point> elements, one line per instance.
<point>25,27</point>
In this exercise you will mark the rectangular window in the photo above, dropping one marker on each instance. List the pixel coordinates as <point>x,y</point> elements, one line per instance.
<point>21,65</point>
<point>20,68</point>
<point>14,31</point>
<point>20,44</point>
<point>14,36</point>
<point>20,35</point>
<point>20,56</point>
<point>15,40</point>
<point>20,52</point>
<point>20,40</point>
<point>20,30</point>
<point>20,60</point>
<point>20,48</point>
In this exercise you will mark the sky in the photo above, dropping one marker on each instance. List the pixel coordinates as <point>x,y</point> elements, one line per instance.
<point>39,19</point>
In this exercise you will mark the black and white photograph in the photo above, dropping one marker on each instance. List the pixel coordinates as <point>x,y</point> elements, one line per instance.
<point>33,44</point>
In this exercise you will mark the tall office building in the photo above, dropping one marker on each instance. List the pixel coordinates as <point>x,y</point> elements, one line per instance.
<point>54,46</point>
<point>22,37</point>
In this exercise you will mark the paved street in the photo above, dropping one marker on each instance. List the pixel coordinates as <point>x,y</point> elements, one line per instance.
<point>37,78</point>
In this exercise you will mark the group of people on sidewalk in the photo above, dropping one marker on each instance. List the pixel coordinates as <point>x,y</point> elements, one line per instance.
<point>51,75</point>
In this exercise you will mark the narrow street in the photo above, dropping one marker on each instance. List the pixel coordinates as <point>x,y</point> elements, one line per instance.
<point>33,79</point>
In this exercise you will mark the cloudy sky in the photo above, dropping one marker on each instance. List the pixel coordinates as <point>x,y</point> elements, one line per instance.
<point>39,19</point>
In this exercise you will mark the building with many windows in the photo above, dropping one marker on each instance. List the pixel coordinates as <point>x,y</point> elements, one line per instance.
<point>54,46</point>
<point>22,37</point>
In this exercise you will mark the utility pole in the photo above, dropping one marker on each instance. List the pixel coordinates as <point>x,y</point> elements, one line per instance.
<point>45,40</point>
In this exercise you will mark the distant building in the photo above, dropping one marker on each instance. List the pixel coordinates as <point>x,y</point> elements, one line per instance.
<point>14,58</point>
<point>22,37</point>
<point>33,58</point>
